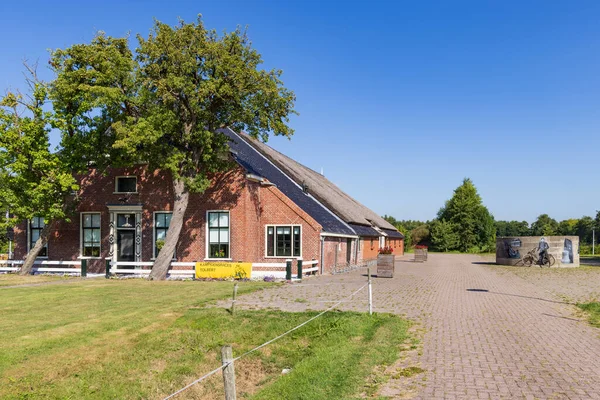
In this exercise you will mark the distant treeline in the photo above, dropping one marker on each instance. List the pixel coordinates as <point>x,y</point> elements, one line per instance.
<point>465,224</point>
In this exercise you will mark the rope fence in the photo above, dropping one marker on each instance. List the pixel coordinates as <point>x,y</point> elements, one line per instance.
<point>228,363</point>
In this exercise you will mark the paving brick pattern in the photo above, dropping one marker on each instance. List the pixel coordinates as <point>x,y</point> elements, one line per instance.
<point>490,333</point>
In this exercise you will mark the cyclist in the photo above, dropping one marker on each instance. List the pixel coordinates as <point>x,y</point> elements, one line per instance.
<point>543,250</point>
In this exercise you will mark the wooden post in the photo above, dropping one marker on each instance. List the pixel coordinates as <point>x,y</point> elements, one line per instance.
<point>228,372</point>
<point>300,268</point>
<point>288,270</point>
<point>370,292</point>
<point>83,268</point>
<point>235,289</point>
<point>107,273</point>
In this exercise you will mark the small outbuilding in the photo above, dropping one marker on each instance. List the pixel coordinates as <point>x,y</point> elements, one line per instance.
<point>525,250</point>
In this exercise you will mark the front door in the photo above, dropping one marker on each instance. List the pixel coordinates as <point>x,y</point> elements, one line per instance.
<point>126,238</point>
<point>125,245</point>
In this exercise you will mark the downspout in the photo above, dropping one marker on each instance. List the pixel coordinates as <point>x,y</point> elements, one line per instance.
<point>322,253</point>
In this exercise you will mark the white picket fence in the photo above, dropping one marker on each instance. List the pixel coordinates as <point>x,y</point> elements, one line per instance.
<point>274,270</point>
<point>15,266</point>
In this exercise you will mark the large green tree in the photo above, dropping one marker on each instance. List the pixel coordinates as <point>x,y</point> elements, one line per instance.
<point>568,227</point>
<point>444,236</point>
<point>35,182</point>
<point>512,228</point>
<point>585,226</point>
<point>544,225</point>
<point>165,102</point>
<point>472,221</point>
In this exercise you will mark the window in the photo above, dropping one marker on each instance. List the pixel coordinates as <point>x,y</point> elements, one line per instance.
<point>284,241</point>
<point>36,225</point>
<point>162,221</point>
<point>371,243</point>
<point>126,184</point>
<point>90,227</point>
<point>218,234</point>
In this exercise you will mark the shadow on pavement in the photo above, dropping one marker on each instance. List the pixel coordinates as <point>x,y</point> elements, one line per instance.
<point>484,262</point>
<point>558,316</point>
<point>518,295</point>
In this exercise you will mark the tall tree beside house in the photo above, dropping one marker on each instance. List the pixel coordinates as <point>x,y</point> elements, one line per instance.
<point>35,182</point>
<point>168,99</point>
<point>93,91</point>
<point>471,219</point>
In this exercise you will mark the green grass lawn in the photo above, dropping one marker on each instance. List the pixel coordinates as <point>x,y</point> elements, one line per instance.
<point>135,339</point>
<point>593,312</point>
<point>15,279</point>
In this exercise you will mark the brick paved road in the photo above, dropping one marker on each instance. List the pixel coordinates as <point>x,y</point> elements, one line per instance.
<point>514,340</point>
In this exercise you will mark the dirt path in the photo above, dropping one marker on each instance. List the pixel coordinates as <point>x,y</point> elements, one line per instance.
<point>489,333</point>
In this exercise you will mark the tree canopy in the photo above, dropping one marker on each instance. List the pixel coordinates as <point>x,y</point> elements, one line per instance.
<point>34,181</point>
<point>165,103</point>
<point>544,226</point>
<point>471,220</point>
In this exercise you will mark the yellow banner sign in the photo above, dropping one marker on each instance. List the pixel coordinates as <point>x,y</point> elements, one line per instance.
<point>238,270</point>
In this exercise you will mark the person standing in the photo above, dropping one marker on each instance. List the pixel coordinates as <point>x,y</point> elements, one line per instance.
<point>543,250</point>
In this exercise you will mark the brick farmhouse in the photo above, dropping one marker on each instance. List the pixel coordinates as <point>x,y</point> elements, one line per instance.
<point>268,209</point>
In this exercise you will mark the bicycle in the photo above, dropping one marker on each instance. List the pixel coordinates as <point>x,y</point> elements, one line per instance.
<point>532,257</point>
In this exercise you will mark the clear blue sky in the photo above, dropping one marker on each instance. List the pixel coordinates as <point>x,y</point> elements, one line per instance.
<point>399,101</point>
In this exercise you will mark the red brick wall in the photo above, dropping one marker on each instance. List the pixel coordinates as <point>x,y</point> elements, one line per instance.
<point>251,207</point>
<point>396,244</point>
<point>335,253</point>
<point>370,247</point>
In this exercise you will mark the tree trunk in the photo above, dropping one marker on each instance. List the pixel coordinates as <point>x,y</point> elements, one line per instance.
<point>37,247</point>
<point>163,261</point>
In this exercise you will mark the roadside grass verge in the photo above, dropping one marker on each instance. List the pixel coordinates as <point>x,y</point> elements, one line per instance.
<point>132,339</point>
<point>91,339</point>
<point>15,279</point>
<point>593,312</point>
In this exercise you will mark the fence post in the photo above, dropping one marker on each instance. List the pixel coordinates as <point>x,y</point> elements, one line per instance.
<point>370,292</point>
<point>107,273</point>
<point>288,270</point>
<point>228,372</point>
<point>300,268</point>
<point>83,268</point>
<point>235,289</point>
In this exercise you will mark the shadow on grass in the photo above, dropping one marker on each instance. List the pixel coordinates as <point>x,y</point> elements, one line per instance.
<point>518,295</point>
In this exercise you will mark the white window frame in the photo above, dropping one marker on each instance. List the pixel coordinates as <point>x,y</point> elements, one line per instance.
<point>154,234</point>
<point>207,233</point>
<point>29,240</point>
<point>81,240</point>
<point>125,176</point>
<point>274,226</point>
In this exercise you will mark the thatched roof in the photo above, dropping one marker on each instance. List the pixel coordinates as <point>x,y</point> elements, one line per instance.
<point>340,203</point>
<point>255,163</point>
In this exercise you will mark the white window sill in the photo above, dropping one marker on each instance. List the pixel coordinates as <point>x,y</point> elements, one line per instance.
<point>89,258</point>
<point>285,257</point>
<point>172,259</point>
<point>126,193</point>
<point>218,259</point>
